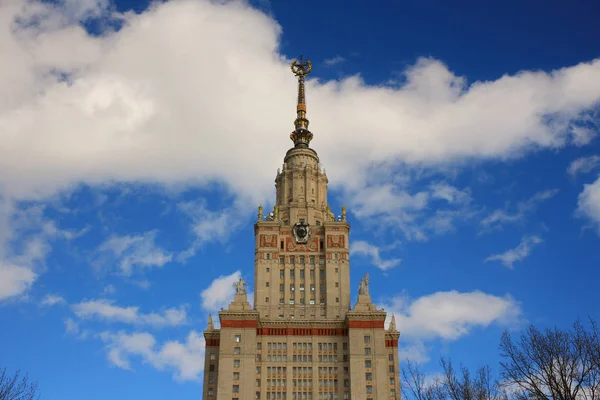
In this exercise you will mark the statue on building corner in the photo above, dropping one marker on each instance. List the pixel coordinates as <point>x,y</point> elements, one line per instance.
<point>363,287</point>
<point>240,286</point>
<point>260,213</point>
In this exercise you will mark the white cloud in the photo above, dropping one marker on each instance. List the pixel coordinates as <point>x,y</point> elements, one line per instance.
<point>146,119</point>
<point>52,300</point>
<point>588,203</point>
<point>209,226</point>
<point>220,292</point>
<point>71,326</point>
<point>360,247</point>
<point>106,310</point>
<point>583,165</point>
<point>500,217</point>
<point>451,315</point>
<point>185,359</point>
<point>511,256</point>
<point>448,316</point>
<point>109,289</point>
<point>26,235</point>
<point>330,62</point>
<point>453,195</point>
<point>136,251</point>
<point>15,280</point>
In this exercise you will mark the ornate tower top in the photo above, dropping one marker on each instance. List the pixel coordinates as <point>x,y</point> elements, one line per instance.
<point>301,135</point>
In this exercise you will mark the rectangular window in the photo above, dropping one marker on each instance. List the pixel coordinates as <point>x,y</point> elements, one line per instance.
<point>392,381</point>
<point>312,274</point>
<point>369,389</point>
<point>281,274</point>
<point>322,273</point>
<point>367,351</point>
<point>367,339</point>
<point>259,346</point>
<point>292,260</point>
<point>369,376</point>
<point>266,299</point>
<point>282,259</point>
<point>292,274</point>
<point>267,284</point>
<point>301,259</point>
<point>238,338</point>
<point>301,274</point>
<point>367,363</point>
<point>312,287</point>
<point>211,367</point>
<point>337,299</point>
<point>236,376</point>
<point>302,287</point>
<point>268,256</point>
<point>281,246</point>
<point>311,260</point>
<point>237,350</point>
<point>236,389</point>
<point>390,357</point>
<point>292,288</point>
<point>281,288</point>
<point>213,356</point>
<point>391,368</point>
<point>236,363</point>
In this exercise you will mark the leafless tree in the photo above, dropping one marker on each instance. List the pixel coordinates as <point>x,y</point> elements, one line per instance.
<point>417,386</point>
<point>554,364</point>
<point>16,387</point>
<point>466,386</point>
<point>451,385</point>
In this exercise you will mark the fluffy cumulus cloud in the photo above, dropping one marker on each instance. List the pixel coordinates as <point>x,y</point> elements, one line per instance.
<point>185,359</point>
<point>449,316</point>
<point>106,310</point>
<point>15,280</point>
<point>144,102</point>
<point>519,253</point>
<point>588,203</point>
<point>161,100</point>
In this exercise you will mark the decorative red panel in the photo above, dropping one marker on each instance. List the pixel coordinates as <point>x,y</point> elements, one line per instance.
<point>366,324</point>
<point>242,323</point>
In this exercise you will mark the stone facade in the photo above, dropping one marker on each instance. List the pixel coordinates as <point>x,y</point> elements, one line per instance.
<point>302,340</point>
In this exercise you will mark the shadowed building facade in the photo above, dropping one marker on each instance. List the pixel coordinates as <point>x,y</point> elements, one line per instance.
<point>302,340</point>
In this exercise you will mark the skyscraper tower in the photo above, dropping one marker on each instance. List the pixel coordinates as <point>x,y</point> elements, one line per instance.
<point>302,340</point>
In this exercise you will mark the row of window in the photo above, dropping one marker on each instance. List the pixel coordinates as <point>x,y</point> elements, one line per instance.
<point>301,287</point>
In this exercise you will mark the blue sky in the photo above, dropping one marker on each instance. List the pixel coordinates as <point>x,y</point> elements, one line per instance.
<point>138,141</point>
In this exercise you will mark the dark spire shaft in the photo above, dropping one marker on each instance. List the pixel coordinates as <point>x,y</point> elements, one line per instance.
<point>301,135</point>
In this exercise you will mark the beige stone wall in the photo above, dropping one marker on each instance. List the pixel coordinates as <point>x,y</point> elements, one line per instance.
<point>331,321</point>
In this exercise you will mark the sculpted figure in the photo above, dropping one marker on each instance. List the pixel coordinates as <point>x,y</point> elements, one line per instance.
<point>240,286</point>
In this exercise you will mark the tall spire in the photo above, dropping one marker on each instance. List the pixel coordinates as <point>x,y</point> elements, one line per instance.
<point>392,326</point>
<point>301,135</point>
